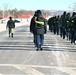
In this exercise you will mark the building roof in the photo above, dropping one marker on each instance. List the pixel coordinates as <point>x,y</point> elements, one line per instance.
<point>25,16</point>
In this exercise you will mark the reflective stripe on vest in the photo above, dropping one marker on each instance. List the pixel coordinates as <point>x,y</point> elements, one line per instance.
<point>38,22</point>
<point>67,21</point>
<point>72,20</point>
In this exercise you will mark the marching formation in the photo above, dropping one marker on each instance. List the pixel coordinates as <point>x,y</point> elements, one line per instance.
<point>64,25</point>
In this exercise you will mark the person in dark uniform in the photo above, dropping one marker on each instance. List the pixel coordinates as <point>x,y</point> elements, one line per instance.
<point>61,27</point>
<point>68,26</point>
<point>50,24</point>
<point>10,26</point>
<point>57,24</point>
<point>54,24</point>
<point>64,24</point>
<point>73,28</point>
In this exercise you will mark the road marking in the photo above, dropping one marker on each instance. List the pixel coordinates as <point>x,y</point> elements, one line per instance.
<point>67,70</point>
<point>29,69</point>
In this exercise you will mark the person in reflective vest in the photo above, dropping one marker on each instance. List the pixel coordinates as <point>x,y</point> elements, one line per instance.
<point>40,30</point>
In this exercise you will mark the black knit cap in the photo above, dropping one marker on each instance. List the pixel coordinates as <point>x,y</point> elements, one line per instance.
<point>39,11</point>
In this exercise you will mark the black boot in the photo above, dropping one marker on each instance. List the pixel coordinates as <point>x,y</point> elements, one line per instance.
<point>12,35</point>
<point>37,49</point>
<point>41,49</point>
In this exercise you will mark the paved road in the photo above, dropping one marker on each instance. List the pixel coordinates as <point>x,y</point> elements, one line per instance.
<point>18,55</point>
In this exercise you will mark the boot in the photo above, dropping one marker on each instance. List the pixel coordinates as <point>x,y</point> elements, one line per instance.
<point>12,35</point>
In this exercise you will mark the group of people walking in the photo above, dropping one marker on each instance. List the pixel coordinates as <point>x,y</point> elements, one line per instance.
<point>64,25</point>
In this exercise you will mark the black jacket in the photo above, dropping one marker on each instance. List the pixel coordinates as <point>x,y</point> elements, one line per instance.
<point>32,25</point>
<point>10,24</point>
<point>33,28</point>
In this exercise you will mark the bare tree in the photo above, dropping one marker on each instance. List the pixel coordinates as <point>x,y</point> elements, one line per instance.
<point>6,8</point>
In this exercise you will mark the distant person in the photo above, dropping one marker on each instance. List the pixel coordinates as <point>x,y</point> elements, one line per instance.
<point>10,26</point>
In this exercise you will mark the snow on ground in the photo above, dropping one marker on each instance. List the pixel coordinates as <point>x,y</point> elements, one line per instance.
<point>3,26</point>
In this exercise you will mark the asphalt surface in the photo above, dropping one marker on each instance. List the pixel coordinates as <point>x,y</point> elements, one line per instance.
<point>18,55</point>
